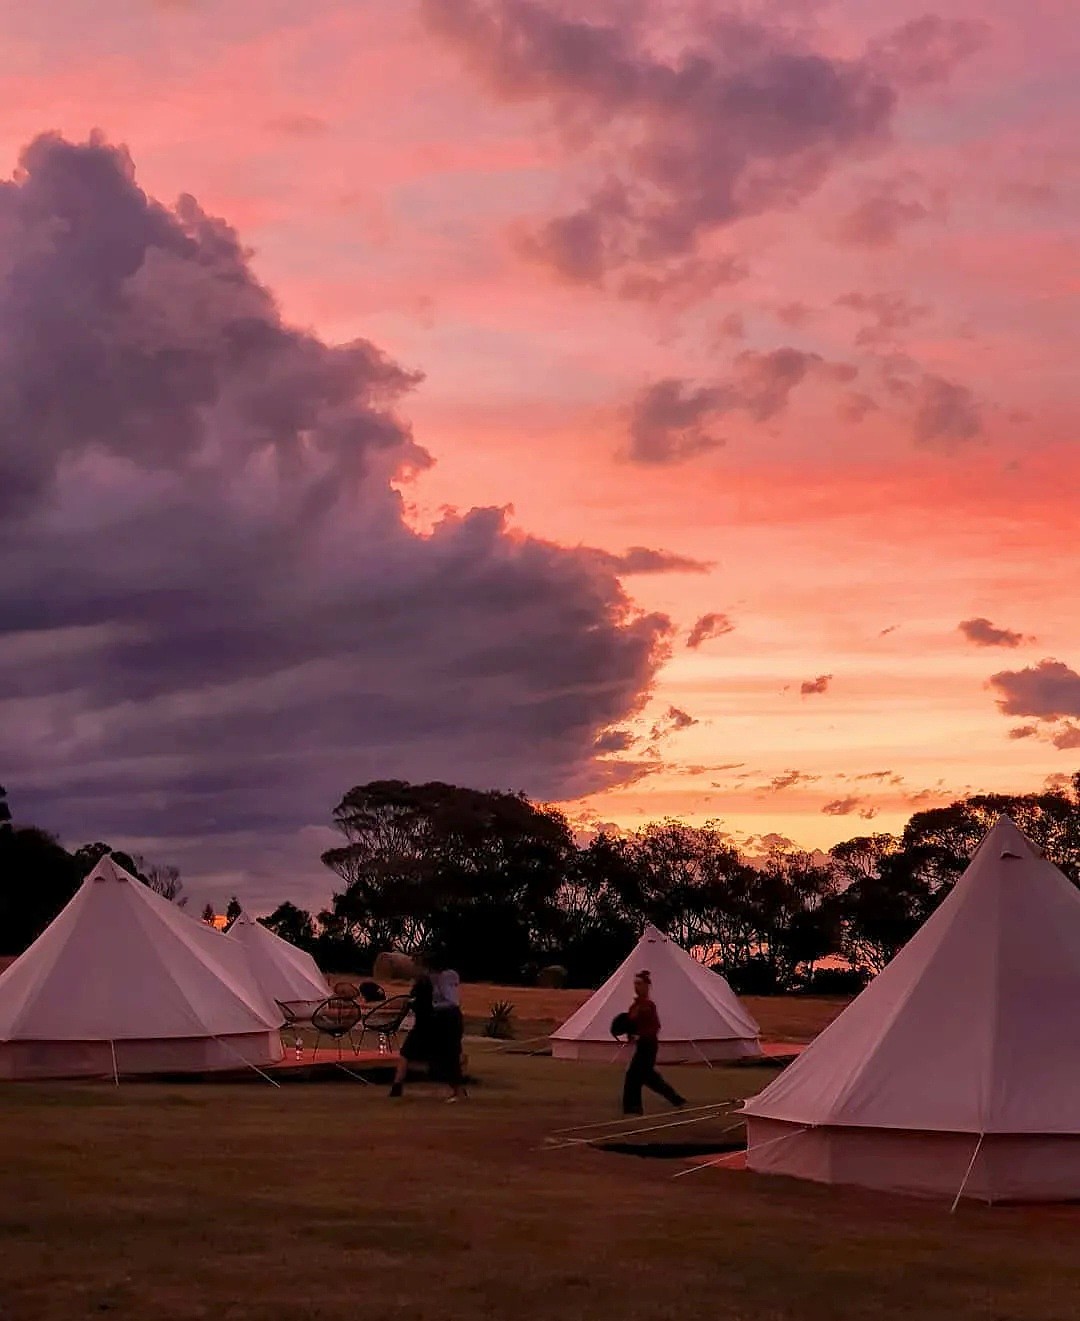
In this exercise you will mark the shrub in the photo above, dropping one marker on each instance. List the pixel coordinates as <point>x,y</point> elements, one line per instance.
<point>499,1025</point>
<point>553,977</point>
<point>755,977</point>
<point>836,981</point>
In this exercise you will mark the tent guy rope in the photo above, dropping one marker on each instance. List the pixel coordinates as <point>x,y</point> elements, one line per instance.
<point>967,1175</point>
<point>627,1133</point>
<point>731,1155</point>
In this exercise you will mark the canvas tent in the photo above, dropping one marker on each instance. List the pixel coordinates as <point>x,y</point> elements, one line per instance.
<point>122,982</point>
<point>957,1070</point>
<point>700,1016</point>
<point>285,974</point>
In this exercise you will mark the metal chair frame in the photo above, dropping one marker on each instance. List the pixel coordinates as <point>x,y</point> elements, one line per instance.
<point>336,1018</point>
<point>389,1016</point>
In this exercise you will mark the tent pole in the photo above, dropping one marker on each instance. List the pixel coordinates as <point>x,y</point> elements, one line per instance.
<point>115,1070</point>
<point>967,1176</point>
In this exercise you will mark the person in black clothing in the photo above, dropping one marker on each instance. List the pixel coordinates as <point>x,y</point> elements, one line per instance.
<point>419,1045</point>
<point>448,1026</point>
<point>644,1024</point>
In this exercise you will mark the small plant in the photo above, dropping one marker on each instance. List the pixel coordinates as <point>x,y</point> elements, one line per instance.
<point>499,1025</point>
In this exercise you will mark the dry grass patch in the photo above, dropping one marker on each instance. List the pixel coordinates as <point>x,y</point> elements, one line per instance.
<point>539,1010</point>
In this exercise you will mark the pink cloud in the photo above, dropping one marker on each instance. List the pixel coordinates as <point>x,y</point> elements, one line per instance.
<point>983,633</point>
<point>709,626</point>
<point>1049,690</point>
<point>745,119</point>
<point>842,806</point>
<point>821,684</point>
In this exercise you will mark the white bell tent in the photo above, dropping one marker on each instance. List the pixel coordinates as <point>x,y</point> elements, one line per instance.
<point>957,1070</point>
<point>285,974</point>
<point>123,982</point>
<point>700,1016</point>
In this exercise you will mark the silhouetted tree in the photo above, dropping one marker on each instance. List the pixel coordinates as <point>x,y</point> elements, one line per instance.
<point>162,879</point>
<point>882,899</point>
<point>294,925</point>
<point>232,911</point>
<point>592,928</point>
<point>87,856</point>
<point>474,872</point>
<point>500,883</point>
<point>37,879</point>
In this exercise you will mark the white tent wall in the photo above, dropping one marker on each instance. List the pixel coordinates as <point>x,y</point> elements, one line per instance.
<point>27,1060</point>
<point>286,974</point>
<point>122,981</point>
<point>1008,1167</point>
<point>967,1035</point>
<point>700,1016</point>
<point>670,1052</point>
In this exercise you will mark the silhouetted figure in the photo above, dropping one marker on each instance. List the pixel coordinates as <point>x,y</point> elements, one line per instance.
<point>645,1027</point>
<point>448,1026</point>
<point>419,1044</point>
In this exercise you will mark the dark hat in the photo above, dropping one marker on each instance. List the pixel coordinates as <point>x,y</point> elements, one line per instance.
<point>622,1025</point>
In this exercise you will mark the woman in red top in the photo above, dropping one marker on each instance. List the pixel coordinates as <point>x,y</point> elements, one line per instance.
<point>642,1071</point>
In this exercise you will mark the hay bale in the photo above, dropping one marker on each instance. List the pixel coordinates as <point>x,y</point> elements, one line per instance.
<point>553,977</point>
<point>394,966</point>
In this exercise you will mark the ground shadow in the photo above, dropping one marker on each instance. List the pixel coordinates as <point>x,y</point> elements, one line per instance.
<point>671,1150</point>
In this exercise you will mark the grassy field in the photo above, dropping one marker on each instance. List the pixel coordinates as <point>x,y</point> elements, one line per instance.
<point>327,1200</point>
<point>538,1011</point>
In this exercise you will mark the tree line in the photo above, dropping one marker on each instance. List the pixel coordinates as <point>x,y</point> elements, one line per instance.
<point>504,887</point>
<point>38,877</point>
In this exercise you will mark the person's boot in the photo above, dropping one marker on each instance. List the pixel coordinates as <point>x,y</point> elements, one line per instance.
<point>396,1089</point>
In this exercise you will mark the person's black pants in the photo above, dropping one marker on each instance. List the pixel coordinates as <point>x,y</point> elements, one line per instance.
<point>642,1073</point>
<point>448,1030</point>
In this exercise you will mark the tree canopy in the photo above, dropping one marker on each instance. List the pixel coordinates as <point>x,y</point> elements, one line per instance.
<point>502,886</point>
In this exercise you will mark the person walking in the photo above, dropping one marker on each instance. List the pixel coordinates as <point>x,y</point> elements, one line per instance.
<point>645,1028</point>
<point>448,1026</point>
<point>419,1041</point>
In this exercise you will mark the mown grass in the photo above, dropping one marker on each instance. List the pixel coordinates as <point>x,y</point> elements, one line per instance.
<point>328,1201</point>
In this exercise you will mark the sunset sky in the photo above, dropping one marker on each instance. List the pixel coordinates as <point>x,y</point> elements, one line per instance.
<point>659,407</point>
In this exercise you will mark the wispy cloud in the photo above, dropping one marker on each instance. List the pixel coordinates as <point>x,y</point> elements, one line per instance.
<point>712,625</point>
<point>983,633</point>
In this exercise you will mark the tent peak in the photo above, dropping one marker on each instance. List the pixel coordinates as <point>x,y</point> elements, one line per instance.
<point>108,870</point>
<point>1009,841</point>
